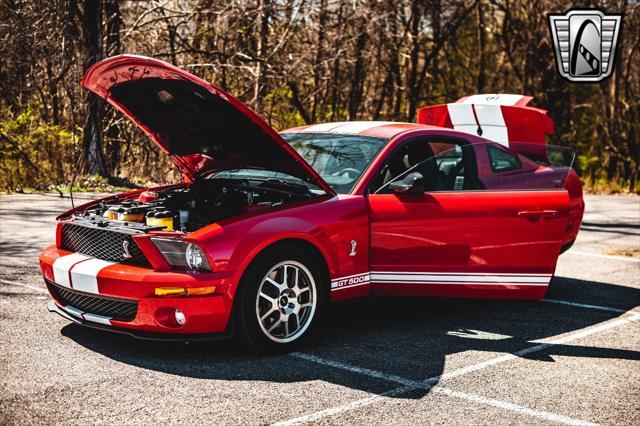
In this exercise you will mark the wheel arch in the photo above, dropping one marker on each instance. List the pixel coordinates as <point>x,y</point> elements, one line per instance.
<point>310,248</point>
<point>301,243</point>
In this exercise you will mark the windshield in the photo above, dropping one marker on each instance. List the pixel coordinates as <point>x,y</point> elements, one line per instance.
<point>339,159</point>
<point>267,176</point>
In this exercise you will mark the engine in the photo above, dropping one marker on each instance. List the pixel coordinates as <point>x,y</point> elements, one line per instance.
<point>188,208</point>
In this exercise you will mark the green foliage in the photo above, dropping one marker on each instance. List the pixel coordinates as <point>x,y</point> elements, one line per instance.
<point>280,112</point>
<point>33,153</point>
<point>299,63</point>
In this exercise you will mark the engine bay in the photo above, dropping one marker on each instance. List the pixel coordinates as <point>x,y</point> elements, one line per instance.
<point>191,207</point>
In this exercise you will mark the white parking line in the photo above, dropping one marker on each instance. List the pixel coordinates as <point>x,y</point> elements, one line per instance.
<point>410,385</point>
<point>430,383</point>
<point>556,418</point>
<point>328,412</point>
<point>31,287</point>
<point>583,305</point>
<point>604,256</point>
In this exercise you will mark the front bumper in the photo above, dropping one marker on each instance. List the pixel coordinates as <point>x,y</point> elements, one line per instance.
<point>206,316</point>
<point>52,306</point>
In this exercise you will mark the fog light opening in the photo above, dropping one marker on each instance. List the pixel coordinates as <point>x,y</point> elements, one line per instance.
<point>181,319</point>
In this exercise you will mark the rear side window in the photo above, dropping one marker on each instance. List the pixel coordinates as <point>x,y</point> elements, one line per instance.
<point>501,160</point>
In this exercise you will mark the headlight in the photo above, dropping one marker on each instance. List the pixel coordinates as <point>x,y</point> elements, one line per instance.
<point>195,257</point>
<point>182,255</point>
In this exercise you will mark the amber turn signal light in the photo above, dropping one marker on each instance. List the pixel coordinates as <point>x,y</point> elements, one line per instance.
<point>181,291</point>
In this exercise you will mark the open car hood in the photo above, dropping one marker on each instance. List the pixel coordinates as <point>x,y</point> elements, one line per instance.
<point>201,127</point>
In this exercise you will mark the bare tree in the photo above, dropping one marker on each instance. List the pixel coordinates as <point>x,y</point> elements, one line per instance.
<point>92,130</point>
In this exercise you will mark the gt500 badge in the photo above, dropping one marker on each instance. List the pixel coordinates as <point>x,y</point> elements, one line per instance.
<point>351,281</point>
<point>585,43</point>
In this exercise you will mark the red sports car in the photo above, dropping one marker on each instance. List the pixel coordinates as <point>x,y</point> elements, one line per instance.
<point>267,229</point>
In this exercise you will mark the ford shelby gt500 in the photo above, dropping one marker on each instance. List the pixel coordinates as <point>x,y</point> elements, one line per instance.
<point>266,229</point>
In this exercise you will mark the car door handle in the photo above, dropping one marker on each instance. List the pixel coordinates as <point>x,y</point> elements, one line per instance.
<point>538,215</point>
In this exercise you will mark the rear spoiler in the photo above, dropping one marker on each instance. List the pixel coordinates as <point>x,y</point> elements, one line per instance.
<point>502,118</point>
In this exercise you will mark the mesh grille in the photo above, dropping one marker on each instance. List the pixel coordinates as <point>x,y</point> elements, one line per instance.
<point>117,309</point>
<point>101,243</point>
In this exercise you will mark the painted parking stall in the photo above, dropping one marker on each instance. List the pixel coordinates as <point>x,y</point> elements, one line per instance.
<point>573,359</point>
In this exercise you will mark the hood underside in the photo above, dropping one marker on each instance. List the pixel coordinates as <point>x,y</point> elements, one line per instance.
<point>200,126</point>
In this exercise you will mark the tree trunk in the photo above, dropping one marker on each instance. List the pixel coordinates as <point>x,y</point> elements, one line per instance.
<point>413,91</point>
<point>112,135</point>
<point>260,80</point>
<point>480,84</point>
<point>335,81</point>
<point>355,95</point>
<point>92,131</point>
<point>319,57</point>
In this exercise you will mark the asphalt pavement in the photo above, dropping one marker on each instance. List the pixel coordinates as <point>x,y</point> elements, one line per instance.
<point>573,358</point>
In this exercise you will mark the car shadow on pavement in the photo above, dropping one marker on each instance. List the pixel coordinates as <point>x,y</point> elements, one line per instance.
<point>406,337</point>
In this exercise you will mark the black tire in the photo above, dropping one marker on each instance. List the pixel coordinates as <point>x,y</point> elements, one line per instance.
<point>251,330</point>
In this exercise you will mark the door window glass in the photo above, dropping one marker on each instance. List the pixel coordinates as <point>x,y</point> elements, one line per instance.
<point>415,154</point>
<point>502,160</point>
<point>488,166</point>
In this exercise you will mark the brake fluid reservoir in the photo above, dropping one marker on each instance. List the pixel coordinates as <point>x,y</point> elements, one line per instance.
<point>132,215</point>
<point>150,218</point>
<point>112,213</point>
<point>164,218</point>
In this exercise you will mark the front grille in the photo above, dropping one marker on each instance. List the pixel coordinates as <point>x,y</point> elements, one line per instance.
<point>101,243</point>
<point>117,309</point>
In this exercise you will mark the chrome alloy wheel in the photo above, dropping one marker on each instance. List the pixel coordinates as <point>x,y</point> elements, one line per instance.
<point>286,301</point>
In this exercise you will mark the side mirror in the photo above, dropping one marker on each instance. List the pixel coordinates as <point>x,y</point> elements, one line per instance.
<point>413,183</point>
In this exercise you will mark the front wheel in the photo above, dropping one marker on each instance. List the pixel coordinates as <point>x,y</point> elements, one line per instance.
<point>281,297</point>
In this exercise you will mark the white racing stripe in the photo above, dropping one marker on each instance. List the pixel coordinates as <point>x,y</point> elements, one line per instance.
<point>492,123</point>
<point>359,126</point>
<point>462,115</point>
<point>63,264</point>
<point>466,283</point>
<point>80,272</point>
<point>353,127</point>
<point>97,319</point>
<point>489,117</point>
<point>430,383</point>
<point>73,311</point>
<point>453,278</point>
<point>324,127</point>
<point>88,317</point>
<point>500,274</point>
<point>84,276</point>
<point>493,99</point>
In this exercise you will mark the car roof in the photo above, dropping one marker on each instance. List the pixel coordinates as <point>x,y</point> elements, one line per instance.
<point>379,129</point>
